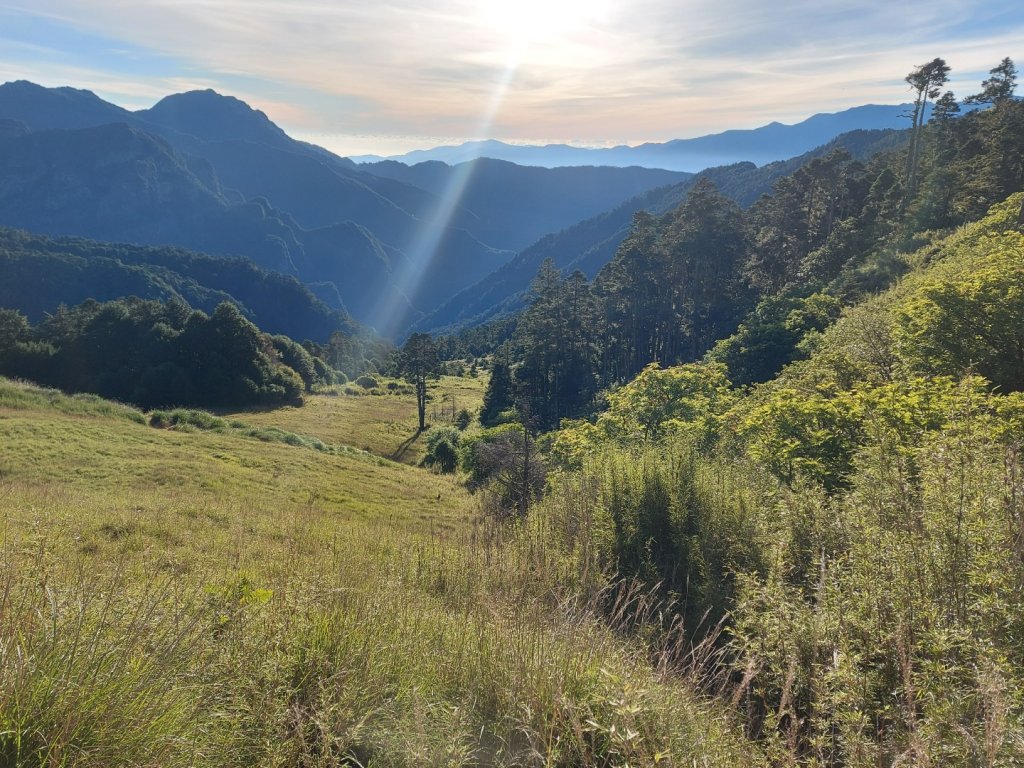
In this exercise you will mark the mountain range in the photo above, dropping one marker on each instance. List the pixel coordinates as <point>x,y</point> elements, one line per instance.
<point>394,246</point>
<point>766,144</point>
<point>207,172</point>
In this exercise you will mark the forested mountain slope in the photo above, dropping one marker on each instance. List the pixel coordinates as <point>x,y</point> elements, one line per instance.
<point>591,244</point>
<point>38,274</point>
<point>747,285</point>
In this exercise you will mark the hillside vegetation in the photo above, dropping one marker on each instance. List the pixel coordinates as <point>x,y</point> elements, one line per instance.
<point>856,523</point>
<point>750,285</point>
<point>206,598</point>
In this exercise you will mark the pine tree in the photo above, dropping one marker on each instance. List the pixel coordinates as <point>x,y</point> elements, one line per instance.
<point>946,108</point>
<point>498,396</point>
<point>999,87</point>
<point>419,362</point>
<point>926,81</point>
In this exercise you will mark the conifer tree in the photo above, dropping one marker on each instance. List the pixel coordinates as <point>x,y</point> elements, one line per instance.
<point>418,363</point>
<point>498,396</point>
<point>926,81</point>
<point>999,87</point>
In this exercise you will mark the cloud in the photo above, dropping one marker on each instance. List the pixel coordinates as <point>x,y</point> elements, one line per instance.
<point>648,70</point>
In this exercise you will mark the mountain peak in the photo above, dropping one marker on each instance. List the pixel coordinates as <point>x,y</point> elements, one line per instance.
<point>42,108</point>
<point>211,116</point>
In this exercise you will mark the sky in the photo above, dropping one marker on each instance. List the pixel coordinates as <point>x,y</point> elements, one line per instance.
<point>388,76</point>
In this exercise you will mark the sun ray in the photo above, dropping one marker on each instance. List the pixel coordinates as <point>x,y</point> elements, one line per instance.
<point>423,249</point>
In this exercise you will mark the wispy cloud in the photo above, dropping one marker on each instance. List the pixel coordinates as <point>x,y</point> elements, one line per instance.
<point>642,70</point>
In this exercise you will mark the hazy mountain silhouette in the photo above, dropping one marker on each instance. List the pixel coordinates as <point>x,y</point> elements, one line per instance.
<point>766,144</point>
<point>516,205</point>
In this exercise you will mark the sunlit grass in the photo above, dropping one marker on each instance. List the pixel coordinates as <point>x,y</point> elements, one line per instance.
<point>380,421</point>
<point>205,598</point>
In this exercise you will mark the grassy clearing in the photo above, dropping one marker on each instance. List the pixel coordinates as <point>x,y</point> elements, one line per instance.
<point>377,421</point>
<point>202,598</point>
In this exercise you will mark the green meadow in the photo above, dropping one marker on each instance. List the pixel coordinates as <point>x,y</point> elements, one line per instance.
<point>381,421</point>
<point>226,595</point>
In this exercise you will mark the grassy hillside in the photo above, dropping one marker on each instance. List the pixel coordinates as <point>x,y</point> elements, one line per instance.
<point>188,596</point>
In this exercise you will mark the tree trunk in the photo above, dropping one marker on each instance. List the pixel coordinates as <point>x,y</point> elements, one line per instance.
<point>421,402</point>
<point>524,499</point>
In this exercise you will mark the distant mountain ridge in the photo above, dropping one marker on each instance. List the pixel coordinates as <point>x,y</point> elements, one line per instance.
<point>517,205</point>
<point>769,143</point>
<point>208,172</point>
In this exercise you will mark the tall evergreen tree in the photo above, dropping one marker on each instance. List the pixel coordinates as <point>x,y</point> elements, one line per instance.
<point>418,362</point>
<point>999,87</point>
<point>926,81</point>
<point>945,109</point>
<point>557,376</point>
<point>499,395</point>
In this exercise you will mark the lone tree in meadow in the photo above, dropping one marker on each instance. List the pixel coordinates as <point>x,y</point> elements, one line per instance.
<point>419,362</point>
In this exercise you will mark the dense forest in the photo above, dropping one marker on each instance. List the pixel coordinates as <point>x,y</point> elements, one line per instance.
<point>748,287</point>
<point>153,353</point>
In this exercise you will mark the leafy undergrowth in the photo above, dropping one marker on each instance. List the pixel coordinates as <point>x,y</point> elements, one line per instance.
<point>202,598</point>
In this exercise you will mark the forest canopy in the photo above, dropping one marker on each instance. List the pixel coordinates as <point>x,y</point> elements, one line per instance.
<point>153,353</point>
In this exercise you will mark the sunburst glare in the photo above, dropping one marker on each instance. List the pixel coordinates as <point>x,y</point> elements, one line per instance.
<point>525,21</point>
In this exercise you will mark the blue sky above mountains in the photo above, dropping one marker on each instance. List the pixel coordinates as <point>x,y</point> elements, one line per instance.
<point>393,75</point>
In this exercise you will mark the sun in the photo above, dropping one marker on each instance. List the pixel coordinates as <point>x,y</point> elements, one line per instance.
<point>528,21</point>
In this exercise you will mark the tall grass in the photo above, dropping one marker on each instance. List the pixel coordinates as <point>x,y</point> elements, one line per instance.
<point>374,646</point>
<point>94,672</point>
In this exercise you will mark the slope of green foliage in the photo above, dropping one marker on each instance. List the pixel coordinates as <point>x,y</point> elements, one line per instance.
<point>852,528</point>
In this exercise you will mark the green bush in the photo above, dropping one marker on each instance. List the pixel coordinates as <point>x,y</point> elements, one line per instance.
<point>181,417</point>
<point>367,382</point>
<point>443,449</point>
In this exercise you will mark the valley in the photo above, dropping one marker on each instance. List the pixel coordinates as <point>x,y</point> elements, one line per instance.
<point>310,463</point>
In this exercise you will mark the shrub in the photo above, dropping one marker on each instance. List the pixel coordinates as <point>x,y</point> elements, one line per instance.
<point>186,418</point>
<point>367,382</point>
<point>443,449</point>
